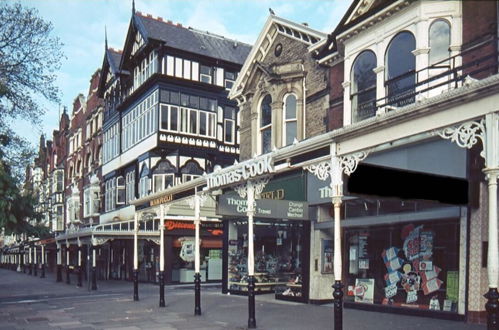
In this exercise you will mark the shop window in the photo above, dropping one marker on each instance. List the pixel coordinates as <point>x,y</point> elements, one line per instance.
<point>439,41</point>
<point>401,69</point>
<point>290,123</point>
<point>413,265</point>
<point>266,125</point>
<point>280,255</point>
<point>363,90</point>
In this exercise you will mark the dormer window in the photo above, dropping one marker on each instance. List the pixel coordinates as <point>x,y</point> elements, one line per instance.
<point>401,69</point>
<point>266,124</point>
<point>363,90</point>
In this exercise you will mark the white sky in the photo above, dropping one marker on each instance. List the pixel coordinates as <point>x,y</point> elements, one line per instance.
<point>80,26</point>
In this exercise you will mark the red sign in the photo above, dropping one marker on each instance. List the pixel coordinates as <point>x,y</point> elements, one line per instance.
<point>172,225</point>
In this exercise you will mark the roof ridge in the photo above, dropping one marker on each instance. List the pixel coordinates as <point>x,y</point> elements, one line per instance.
<point>179,25</point>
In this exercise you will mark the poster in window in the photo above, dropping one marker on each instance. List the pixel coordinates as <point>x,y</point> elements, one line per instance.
<point>327,256</point>
<point>452,285</point>
<point>364,290</point>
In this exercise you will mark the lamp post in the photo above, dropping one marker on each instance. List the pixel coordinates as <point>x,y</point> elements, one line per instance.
<point>251,257</point>
<point>161,256</point>
<point>135,259</point>
<point>197,275</point>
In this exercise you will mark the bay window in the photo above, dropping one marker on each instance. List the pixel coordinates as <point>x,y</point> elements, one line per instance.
<point>265,125</point>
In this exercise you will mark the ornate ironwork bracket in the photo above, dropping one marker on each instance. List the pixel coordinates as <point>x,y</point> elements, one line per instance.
<point>192,200</point>
<point>465,135</point>
<point>257,184</point>
<point>99,241</point>
<point>344,164</point>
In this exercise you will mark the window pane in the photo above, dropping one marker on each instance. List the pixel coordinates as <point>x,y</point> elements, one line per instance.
<point>187,69</point>
<point>266,139</point>
<point>230,112</point>
<point>194,101</point>
<point>202,123</point>
<point>183,119</point>
<point>184,100</point>
<point>439,41</point>
<point>178,67</point>
<point>169,65</point>
<point>164,117</point>
<point>157,183</point>
<point>168,181</point>
<point>173,118</point>
<point>229,134</point>
<point>266,111</point>
<point>290,132</point>
<point>195,71</point>
<point>212,104</point>
<point>401,64</point>
<point>174,98</point>
<point>290,107</point>
<point>203,103</point>
<point>193,122</point>
<point>363,86</point>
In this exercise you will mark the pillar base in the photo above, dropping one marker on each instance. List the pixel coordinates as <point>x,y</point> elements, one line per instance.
<point>94,278</point>
<point>338,305</point>
<point>59,274</point>
<point>42,271</point>
<point>492,308</point>
<point>197,294</point>
<point>161,278</point>
<point>135,285</point>
<point>251,303</point>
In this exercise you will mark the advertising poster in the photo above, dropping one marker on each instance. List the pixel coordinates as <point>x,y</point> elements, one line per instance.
<point>453,285</point>
<point>364,290</point>
<point>327,256</point>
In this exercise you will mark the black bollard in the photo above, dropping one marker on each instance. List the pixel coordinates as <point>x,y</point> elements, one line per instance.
<point>136,285</point>
<point>161,289</point>
<point>251,302</point>
<point>338,305</point>
<point>197,294</point>
<point>492,307</point>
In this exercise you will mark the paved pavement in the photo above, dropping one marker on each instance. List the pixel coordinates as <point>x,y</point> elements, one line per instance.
<point>28,302</point>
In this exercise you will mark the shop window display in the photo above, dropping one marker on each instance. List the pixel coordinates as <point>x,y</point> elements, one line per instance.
<point>411,265</point>
<point>279,258</point>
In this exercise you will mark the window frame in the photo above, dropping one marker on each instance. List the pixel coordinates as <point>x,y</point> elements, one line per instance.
<point>261,128</point>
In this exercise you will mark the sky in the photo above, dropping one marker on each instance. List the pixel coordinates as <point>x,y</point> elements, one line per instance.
<point>80,25</point>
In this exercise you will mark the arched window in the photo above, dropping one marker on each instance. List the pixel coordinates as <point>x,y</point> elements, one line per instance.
<point>289,118</point>
<point>363,90</point>
<point>191,170</point>
<point>439,41</point>
<point>266,124</point>
<point>400,69</point>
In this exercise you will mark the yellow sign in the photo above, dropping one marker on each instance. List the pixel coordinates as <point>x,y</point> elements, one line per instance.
<point>161,200</point>
<point>275,194</point>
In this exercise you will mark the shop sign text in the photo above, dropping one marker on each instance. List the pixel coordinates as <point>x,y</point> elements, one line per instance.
<point>243,171</point>
<point>161,200</point>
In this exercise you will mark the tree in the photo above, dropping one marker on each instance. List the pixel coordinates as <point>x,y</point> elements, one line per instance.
<point>29,58</point>
<point>15,207</point>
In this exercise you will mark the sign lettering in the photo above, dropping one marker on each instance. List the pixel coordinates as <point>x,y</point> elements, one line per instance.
<point>161,200</point>
<point>242,171</point>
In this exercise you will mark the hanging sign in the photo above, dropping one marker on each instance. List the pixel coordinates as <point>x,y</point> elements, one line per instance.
<point>240,172</point>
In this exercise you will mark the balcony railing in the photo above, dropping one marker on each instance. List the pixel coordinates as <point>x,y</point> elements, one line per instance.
<point>476,61</point>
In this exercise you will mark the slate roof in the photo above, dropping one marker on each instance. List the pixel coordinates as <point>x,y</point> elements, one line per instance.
<point>114,59</point>
<point>192,40</point>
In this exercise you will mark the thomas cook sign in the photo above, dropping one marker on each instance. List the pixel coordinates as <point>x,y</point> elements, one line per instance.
<point>240,172</point>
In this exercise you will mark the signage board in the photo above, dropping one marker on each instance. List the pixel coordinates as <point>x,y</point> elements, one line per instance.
<point>161,200</point>
<point>318,191</point>
<point>240,172</point>
<point>233,205</point>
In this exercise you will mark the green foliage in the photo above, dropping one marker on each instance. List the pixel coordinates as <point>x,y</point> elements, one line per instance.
<point>29,58</point>
<point>15,207</point>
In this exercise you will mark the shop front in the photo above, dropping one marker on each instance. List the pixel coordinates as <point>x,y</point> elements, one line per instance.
<point>404,236</point>
<point>281,240</point>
